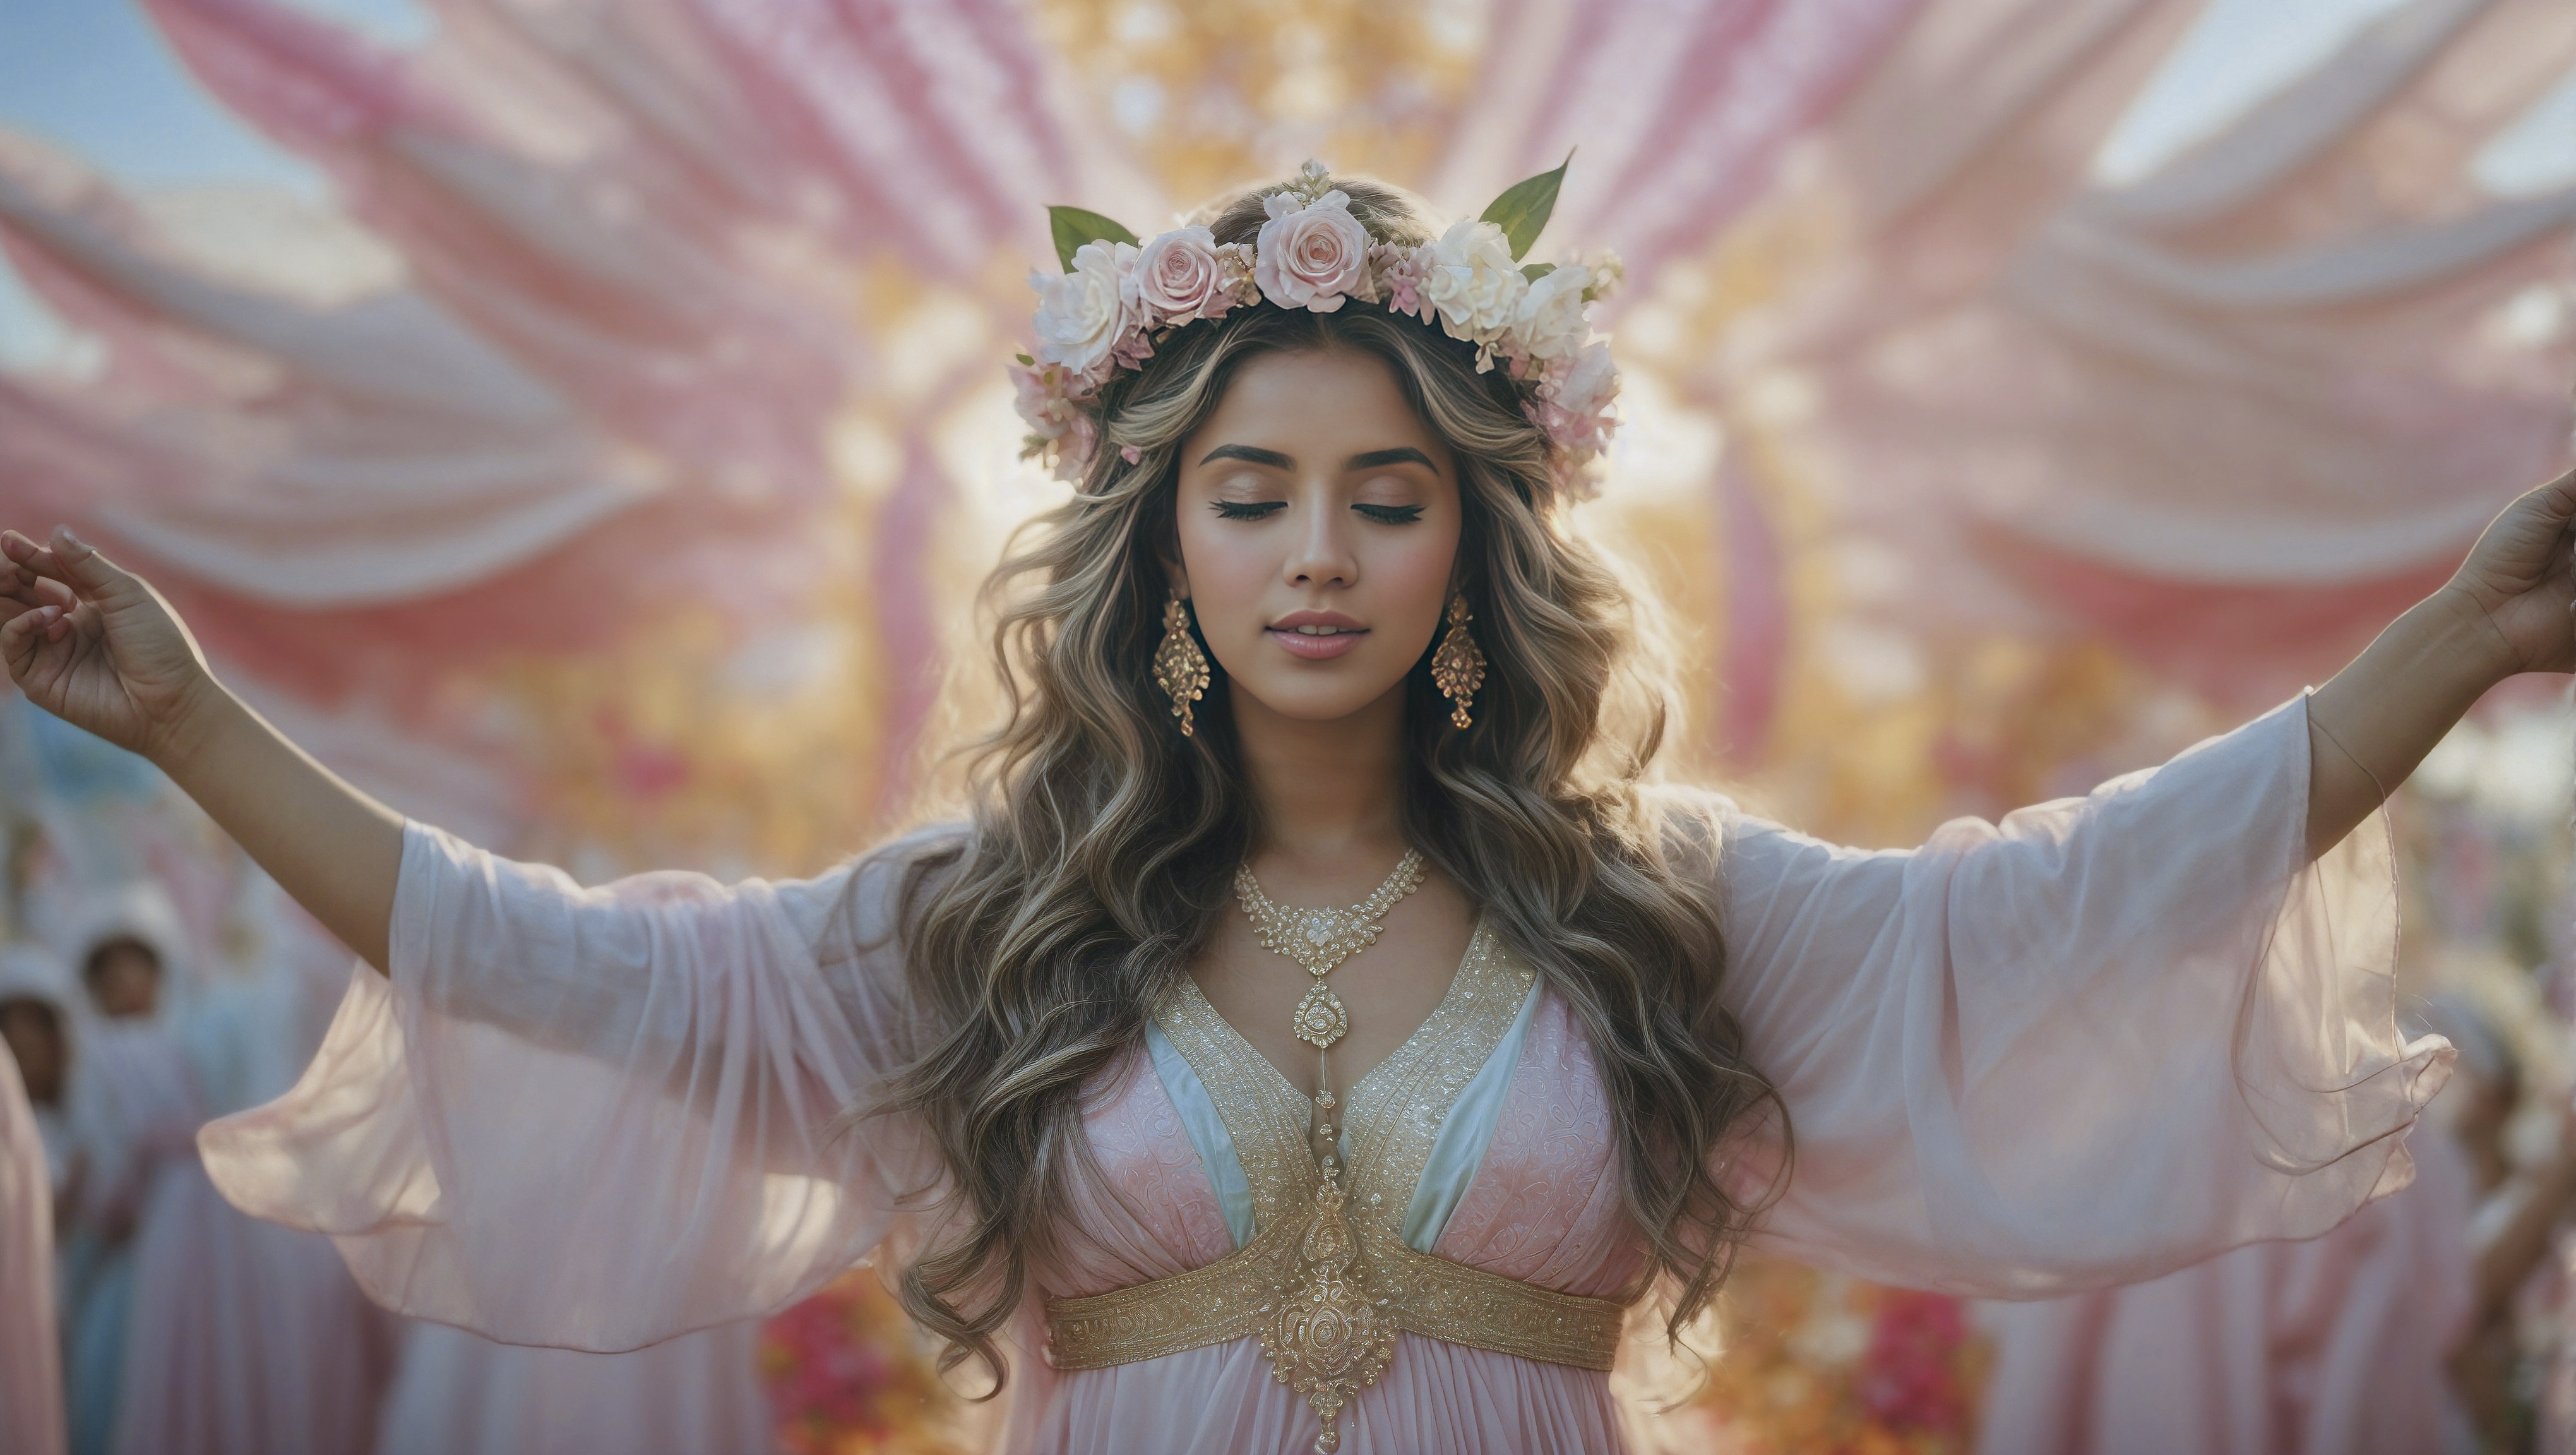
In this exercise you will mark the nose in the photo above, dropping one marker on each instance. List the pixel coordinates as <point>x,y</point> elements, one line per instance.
<point>1322,554</point>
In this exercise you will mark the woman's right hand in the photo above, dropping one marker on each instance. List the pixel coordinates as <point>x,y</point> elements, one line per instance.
<point>95,645</point>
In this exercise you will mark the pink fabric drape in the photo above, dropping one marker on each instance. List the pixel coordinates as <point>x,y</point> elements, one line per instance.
<point>31,1380</point>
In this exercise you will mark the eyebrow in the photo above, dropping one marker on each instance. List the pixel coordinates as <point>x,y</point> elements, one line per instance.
<point>1251,454</point>
<point>1400,455</point>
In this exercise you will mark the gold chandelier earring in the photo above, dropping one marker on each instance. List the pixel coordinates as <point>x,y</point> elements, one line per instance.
<point>1180,668</point>
<point>1457,666</point>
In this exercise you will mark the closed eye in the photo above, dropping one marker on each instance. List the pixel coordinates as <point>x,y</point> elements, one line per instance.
<point>1391,514</point>
<point>1248,510</point>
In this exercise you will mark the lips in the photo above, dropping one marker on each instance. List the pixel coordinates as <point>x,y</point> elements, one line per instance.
<point>1316,635</point>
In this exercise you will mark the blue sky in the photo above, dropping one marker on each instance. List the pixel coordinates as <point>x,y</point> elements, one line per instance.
<point>93,76</point>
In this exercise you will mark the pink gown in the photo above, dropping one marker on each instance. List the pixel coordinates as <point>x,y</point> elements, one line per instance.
<point>31,1376</point>
<point>2101,1040</point>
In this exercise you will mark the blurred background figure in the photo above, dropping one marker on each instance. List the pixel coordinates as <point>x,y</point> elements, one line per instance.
<point>134,1111</point>
<point>244,1335</point>
<point>577,421</point>
<point>37,1007</point>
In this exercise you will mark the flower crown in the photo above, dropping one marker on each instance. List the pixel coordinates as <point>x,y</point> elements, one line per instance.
<point>1118,297</point>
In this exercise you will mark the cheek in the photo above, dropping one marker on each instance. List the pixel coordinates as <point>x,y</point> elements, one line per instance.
<point>1229,572</point>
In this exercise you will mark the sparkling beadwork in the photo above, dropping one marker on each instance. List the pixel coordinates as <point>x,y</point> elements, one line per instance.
<point>1320,939</point>
<point>1321,1018</point>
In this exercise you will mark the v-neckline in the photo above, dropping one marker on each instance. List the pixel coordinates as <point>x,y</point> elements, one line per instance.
<point>1241,1044</point>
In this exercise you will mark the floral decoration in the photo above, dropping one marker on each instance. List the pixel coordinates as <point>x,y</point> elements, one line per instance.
<point>1118,296</point>
<point>846,1376</point>
<point>1819,1364</point>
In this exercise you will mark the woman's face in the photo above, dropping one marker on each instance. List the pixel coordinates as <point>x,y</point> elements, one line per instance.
<point>1319,524</point>
<point>34,1035</point>
<point>124,979</point>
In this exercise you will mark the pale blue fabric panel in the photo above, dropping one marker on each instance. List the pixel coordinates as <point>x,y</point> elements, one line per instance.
<point>1207,1132</point>
<point>1459,1149</point>
<point>1456,1151</point>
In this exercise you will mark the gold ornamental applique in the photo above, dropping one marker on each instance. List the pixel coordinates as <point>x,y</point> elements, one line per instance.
<point>1325,1337</point>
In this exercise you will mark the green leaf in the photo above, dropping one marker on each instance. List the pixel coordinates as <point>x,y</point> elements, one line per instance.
<point>1073,227</point>
<point>1536,271</point>
<point>1521,212</point>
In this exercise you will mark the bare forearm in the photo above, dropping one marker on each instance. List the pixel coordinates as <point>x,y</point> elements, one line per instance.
<point>334,850</point>
<point>2376,719</point>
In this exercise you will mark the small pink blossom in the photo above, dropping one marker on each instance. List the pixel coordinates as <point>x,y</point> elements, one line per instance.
<point>1043,394</point>
<point>1572,406</point>
<point>1074,449</point>
<point>1178,277</point>
<point>1311,257</point>
<point>1401,272</point>
<point>1234,263</point>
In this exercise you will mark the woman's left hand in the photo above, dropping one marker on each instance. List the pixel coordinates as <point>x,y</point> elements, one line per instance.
<point>2518,578</point>
<point>2511,607</point>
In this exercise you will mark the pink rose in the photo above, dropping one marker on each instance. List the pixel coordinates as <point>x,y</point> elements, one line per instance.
<point>1311,257</point>
<point>1178,278</point>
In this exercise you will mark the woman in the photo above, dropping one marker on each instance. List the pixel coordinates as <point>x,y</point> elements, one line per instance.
<point>1197,1171</point>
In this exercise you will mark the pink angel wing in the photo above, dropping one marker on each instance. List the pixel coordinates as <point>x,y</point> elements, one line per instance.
<point>622,322</point>
<point>1679,113</point>
<point>2277,381</point>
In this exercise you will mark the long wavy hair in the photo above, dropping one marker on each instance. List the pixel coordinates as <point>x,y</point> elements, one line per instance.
<point>1102,843</point>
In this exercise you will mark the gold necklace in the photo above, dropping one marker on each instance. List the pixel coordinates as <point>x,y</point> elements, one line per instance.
<point>1325,1335</point>
<point>1320,939</point>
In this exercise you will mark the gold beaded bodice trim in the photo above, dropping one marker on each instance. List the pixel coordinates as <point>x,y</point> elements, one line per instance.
<point>1393,1117</point>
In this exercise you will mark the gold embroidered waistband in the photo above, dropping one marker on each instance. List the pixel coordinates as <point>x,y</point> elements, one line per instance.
<point>1420,1293</point>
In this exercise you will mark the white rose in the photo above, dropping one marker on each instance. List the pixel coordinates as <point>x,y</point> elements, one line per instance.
<point>1550,323</point>
<point>1081,315</point>
<point>1473,281</point>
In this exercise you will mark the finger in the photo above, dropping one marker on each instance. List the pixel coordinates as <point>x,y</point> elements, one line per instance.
<point>90,573</point>
<point>20,635</point>
<point>29,589</point>
<point>2557,499</point>
<point>31,559</point>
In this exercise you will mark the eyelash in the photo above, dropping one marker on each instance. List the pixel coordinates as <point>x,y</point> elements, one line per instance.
<point>1262,510</point>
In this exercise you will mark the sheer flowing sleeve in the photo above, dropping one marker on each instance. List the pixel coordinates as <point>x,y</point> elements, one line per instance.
<point>2097,1041</point>
<point>597,1118</point>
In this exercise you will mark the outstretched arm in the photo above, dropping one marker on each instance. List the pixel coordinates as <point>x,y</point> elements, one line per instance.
<point>2509,609</point>
<point>97,647</point>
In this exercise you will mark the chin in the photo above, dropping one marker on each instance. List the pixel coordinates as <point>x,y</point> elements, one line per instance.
<point>1316,701</point>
